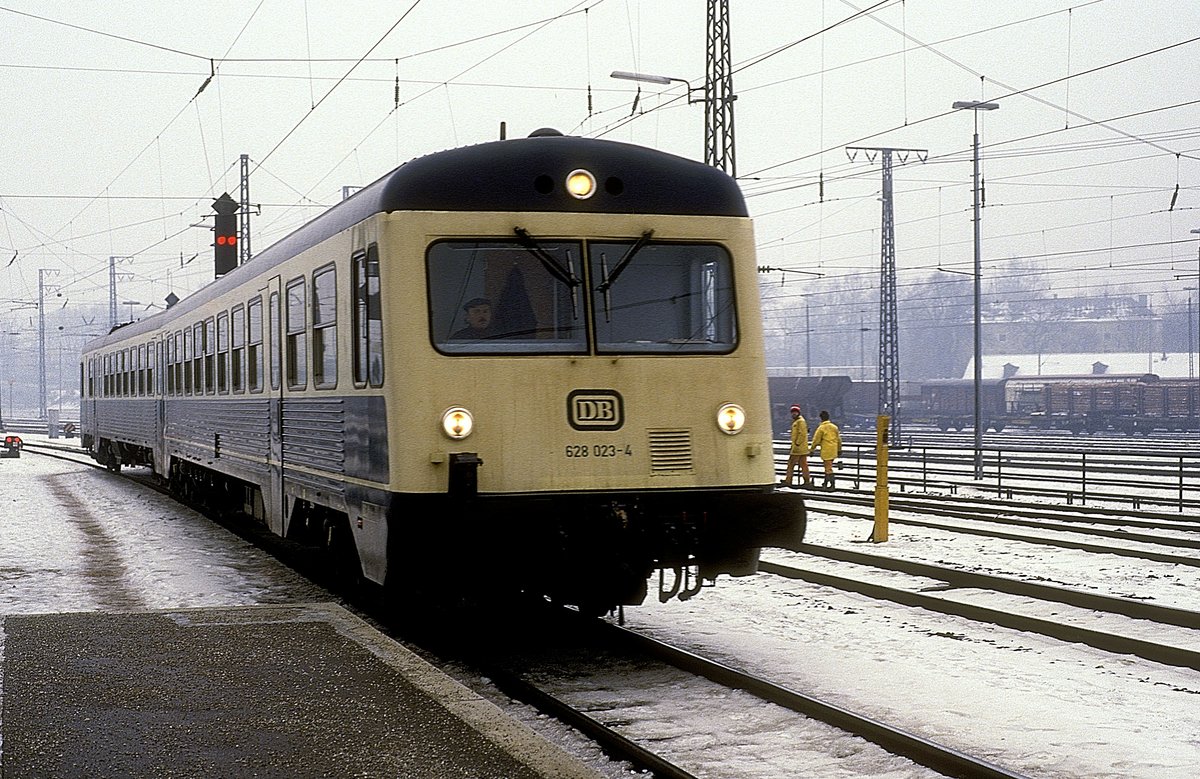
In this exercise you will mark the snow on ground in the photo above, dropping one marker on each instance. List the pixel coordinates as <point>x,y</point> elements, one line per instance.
<point>81,539</point>
<point>74,539</point>
<point>1032,704</point>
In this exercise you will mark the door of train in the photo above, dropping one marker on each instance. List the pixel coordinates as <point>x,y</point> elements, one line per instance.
<point>273,497</point>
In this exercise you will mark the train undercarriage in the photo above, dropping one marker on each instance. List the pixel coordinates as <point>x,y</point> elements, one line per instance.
<point>596,552</point>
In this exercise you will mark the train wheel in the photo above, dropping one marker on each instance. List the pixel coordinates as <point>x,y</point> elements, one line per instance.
<point>112,458</point>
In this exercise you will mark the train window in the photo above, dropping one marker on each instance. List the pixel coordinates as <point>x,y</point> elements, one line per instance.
<point>324,310</point>
<point>177,359</point>
<point>223,352</point>
<point>188,369</point>
<point>659,297</point>
<point>297,336</point>
<point>254,356</point>
<point>169,368</point>
<point>506,296</point>
<point>238,344</point>
<point>368,319</point>
<point>139,369</point>
<point>125,372</point>
<point>275,350</point>
<point>209,344</point>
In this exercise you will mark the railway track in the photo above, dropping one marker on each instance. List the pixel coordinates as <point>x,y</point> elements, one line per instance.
<point>946,580</point>
<point>546,678</point>
<point>1173,531</point>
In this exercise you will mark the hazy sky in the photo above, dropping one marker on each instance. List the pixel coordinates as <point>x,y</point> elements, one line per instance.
<point>110,148</point>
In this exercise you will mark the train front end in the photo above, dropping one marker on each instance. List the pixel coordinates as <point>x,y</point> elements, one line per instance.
<point>588,377</point>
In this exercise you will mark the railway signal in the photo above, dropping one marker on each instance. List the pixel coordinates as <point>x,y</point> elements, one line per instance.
<point>225,234</point>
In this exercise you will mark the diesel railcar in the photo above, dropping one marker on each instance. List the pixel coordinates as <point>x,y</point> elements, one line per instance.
<point>533,364</point>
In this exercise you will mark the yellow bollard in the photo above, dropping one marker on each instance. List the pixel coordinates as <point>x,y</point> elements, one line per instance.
<point>880,533</point>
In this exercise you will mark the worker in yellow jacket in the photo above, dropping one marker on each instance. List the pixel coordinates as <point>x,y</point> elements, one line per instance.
<point>827,440</point>
<point>798,454</point>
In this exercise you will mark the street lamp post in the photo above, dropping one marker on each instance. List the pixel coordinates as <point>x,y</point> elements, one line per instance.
<point>651,78</point>
<point>976,107</point>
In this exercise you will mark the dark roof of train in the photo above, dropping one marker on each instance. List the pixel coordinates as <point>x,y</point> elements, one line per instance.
<point>504,176</point>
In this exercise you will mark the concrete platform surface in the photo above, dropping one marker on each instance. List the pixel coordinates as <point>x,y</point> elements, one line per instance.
<point>259,691</point>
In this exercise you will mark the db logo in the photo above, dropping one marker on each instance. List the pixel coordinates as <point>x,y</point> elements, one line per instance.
<point>595,409</point>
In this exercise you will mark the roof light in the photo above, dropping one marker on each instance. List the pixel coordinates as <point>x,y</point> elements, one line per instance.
<point>581,184</point>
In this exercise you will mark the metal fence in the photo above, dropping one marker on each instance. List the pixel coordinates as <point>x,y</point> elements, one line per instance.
<point>1151,479</point>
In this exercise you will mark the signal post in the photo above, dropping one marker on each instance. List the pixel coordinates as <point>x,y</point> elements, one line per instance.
<point>880,532</point>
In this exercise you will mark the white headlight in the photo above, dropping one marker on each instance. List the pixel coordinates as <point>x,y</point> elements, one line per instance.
<point>581,184</point>
<point>731,419</point>
<point>458,423</point>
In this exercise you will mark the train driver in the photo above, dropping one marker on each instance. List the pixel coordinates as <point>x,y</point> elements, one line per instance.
<point>478,317</point>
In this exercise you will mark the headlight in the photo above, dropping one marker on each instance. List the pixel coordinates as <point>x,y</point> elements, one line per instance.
<point>581,184</point>
<point>458,423</point>
<point>731,419</point>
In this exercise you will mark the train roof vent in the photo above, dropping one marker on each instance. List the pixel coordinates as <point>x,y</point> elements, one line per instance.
<point>545,132</point>
<point>670,450</point>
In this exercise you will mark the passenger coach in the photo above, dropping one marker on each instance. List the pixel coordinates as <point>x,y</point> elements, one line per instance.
<point>530,364</point>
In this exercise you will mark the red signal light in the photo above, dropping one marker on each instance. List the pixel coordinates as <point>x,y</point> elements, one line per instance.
<point>226,240</point>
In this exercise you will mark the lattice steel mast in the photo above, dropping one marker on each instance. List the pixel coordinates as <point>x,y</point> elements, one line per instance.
<point>244,238</point>
<point>889,328</point>
<point>718,91</point>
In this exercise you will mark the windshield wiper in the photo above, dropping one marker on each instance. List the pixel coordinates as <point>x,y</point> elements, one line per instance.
<point>530,244</point>
<point>611,278</point>
<point>553,267</point>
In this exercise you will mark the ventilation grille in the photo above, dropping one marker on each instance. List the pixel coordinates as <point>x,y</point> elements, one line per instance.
<point>670,450</point>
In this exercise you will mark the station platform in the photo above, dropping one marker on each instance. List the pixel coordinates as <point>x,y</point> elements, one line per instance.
<point>265,691</point>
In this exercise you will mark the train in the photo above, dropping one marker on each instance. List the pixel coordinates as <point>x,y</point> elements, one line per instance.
<point>1126,403</point>
<point>530,366</point>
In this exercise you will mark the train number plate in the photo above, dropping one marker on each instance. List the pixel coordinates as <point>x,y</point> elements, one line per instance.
<point>599,450</point>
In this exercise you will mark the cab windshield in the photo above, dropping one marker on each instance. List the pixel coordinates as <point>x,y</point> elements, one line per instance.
<point>534,296</point>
